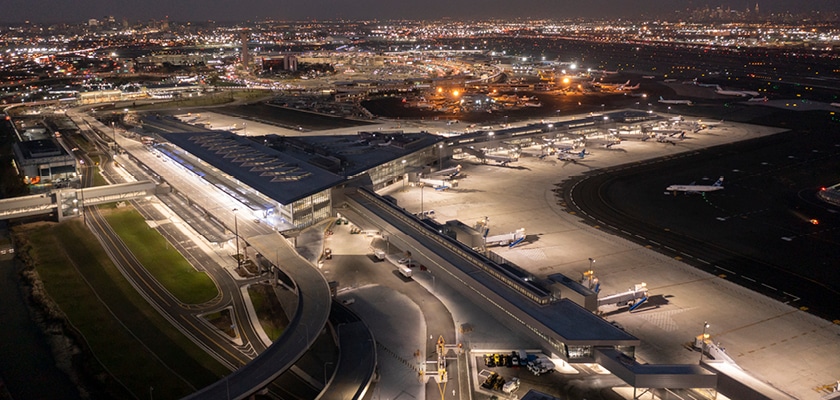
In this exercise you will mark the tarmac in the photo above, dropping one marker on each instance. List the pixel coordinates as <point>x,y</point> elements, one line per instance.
<point>789,349</point>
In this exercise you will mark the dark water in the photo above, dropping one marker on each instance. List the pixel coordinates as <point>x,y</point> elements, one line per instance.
<point>27,367</point>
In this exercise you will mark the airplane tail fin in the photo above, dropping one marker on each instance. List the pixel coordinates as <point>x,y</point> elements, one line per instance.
<point>719,182</point>
<point>661,98</point>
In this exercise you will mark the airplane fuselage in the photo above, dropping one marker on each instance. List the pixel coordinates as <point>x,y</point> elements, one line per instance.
<point>693,188</point>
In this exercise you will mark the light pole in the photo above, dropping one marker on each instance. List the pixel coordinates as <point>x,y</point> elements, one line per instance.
<point>703,339</point>
<point>421,199</point>
<point>440,156</point>
<point>114,132</point>
<point>236,236</point>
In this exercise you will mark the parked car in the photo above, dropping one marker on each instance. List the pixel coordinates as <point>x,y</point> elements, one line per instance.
<point>511,386</point>
<point>514,359</point>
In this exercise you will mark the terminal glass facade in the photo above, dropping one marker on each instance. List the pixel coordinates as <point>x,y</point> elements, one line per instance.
<point>309,210</point>
<point>392,171</point>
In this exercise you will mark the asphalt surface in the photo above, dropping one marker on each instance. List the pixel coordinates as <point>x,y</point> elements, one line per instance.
<point>757,232</point>
<point>264,363</point>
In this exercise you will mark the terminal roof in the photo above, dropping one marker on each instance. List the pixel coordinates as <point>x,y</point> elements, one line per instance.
<point>350,155</point>
<point>280,176</point>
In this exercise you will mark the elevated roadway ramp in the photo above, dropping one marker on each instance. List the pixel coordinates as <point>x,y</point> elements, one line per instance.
<point>313,308</point>
<point>355,368</point>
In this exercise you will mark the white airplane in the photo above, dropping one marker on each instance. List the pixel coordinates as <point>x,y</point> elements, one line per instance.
<point>709,123</point>
<point>229,128</point>
<point>612,86</point>
<point>757,99</point>
<point>628,87</point>
<point>573,156</point>
<point>741,93</point>
<point>718,185</point>
<point>562,148</point>
<point>438,184</point>
<point>502,160</point>
<point>449,173</point>
<point>835,105</point>
<point>686,102</point>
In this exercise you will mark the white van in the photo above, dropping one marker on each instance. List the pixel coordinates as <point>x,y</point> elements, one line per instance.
<point>405,271</point>
<point>380,254</point>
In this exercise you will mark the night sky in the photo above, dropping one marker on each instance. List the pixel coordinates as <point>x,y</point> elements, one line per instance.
<point>242,10</point>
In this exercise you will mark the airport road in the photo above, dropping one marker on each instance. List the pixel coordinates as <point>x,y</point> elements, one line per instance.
<point>387,294</point>
<point>183,316</point>
<point>775,342</point>
<point>263,366</point>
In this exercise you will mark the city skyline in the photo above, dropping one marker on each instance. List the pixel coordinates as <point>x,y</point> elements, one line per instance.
<point>53,11</point>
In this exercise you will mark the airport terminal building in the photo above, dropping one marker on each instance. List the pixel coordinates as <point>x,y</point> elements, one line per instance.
<point>288,182</point>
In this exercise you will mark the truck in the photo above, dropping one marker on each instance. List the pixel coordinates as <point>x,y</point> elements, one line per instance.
<point>540,365</point>
<point>380,254</point>
<point>523,357</point>
<point>404,271</point>
<point>511,386</point>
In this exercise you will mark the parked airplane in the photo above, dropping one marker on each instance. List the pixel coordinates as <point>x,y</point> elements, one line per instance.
<point>502,160</point>
<point>709,123</point>
<point>762,99</point>
<point>692,188</point>
<point>573,156</point>
<point>229,128</point>
<point>438,184</point>
<point>686,102</point>
<point>449,173</point>
<point>835,105</point>
<point>628,87</point>
<point>611,86</point>
<point>742,93</point>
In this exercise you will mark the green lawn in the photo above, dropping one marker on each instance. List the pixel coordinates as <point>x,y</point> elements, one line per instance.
<point>269,310</point>
<point>134,344</point>
<point>164,262</point>
<point>207,99</point>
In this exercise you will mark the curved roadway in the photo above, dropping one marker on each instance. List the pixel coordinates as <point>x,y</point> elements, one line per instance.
<point>309,319</point>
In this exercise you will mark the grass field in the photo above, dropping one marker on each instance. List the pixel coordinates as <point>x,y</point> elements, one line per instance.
<point>269,310</point>
<point>207,99</point>
<point>167,265</point>
<point>134,344</point>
